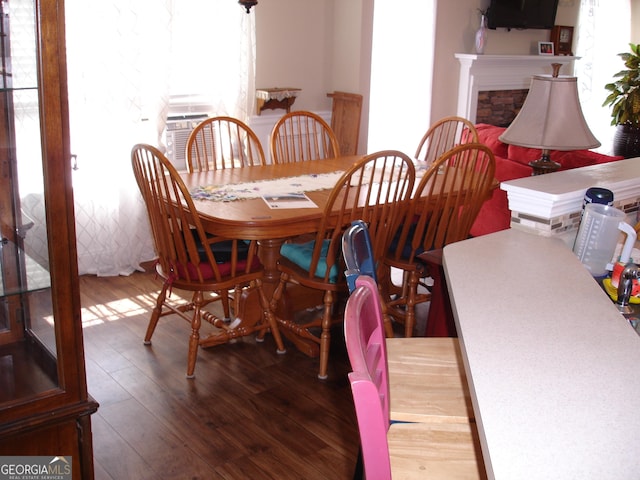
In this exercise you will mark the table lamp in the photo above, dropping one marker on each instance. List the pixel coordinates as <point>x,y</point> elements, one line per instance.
<point>550,119</point>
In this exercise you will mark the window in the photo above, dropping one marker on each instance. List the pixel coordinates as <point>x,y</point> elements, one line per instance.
<point>601,36</point>
<point>126,59</point>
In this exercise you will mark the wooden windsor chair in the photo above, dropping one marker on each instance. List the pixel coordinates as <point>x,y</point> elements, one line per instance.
<point>191,260</point>
<point>443,135</point>
<point>300,136</point>
<point>223,142</point>
<point>218,143</point>
<point>443,208</point>
<point>376,190</point>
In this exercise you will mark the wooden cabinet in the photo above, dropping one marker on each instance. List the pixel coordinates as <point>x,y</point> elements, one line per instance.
<point>44,405</point>
<point>345,120</point>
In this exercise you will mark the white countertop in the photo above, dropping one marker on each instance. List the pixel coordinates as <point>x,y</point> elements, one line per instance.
<point>553,368</point>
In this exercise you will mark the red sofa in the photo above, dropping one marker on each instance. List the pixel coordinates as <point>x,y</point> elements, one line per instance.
<point>511,163</point>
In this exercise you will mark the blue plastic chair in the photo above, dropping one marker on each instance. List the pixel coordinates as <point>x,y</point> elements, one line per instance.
<point>358,254</point>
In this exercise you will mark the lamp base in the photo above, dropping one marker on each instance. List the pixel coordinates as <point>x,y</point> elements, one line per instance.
<point>544,164</point>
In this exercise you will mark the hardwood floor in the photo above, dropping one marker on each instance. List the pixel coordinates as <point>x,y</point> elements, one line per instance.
<point>249,413</point>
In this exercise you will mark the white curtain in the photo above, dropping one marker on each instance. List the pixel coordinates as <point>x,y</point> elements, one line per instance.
<point>604,31</point>
<point>126,60</point>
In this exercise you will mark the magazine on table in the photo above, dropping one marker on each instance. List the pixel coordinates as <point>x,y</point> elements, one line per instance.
<point>289,200</point>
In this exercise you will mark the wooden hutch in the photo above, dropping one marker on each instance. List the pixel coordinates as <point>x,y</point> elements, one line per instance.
<point>44,405</point>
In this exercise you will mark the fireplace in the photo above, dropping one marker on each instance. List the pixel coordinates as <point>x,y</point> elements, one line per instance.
<point>492,88</point>
<point>499,107</point>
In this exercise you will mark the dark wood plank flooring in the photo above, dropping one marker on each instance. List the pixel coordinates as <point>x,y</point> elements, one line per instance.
<point>249,413</point>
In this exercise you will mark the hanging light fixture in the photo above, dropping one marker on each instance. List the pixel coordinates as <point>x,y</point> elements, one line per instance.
<point>247,4</point>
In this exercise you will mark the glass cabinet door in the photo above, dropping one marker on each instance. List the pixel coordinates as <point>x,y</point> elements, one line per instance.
<point>28,353</point>
<point>45,408</point>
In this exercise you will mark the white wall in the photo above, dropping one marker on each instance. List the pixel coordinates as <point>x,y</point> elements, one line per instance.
<point>294,48</point>
<point>457,22</point>
<point>320,46</point>
<point>352,35</point>
<point>325,45</point>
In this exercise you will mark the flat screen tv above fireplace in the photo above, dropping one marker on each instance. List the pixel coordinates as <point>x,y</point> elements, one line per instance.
<point>522,14</point>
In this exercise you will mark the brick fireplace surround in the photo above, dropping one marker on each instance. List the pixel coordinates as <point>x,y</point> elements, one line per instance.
<point>499,107</point>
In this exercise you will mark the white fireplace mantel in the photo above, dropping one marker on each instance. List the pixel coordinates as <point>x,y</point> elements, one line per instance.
<point>500,72</point>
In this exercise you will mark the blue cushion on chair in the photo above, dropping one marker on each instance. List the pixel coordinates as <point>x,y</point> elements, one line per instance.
<point>406,249</point>
<point>300,254</point>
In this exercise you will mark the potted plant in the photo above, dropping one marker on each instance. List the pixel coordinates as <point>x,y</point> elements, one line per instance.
<point>624,99</point>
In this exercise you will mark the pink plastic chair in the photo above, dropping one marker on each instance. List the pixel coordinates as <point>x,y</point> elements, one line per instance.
<point>365,339</point>
<point>406,450</point>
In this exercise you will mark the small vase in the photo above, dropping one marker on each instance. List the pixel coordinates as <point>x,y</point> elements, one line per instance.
<point>481,35</point>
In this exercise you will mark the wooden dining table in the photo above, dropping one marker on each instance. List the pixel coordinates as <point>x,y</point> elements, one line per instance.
<point>253,219</point>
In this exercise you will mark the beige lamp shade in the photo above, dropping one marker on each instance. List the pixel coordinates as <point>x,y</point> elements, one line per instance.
<point>551,117</point>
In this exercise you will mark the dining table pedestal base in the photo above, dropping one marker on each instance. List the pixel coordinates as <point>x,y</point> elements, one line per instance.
<point>250,312</point>
<point>295,299</point>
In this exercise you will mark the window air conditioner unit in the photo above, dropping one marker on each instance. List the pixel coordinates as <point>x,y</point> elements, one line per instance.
<point>177,133</point>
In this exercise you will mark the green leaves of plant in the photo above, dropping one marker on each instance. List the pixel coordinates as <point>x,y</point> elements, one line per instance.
<point>624,96</point>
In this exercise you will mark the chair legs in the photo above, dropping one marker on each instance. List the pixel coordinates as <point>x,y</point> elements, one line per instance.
<point>156,314</point>
<point>410,308</point>
<point>325,335</point>
<point>403,307</point>
<point>304,330</point>
<point>384,279</point>
<point>228,332</point>
<point>398,303</point>
<point>224,298</point>
<point>194,338</point>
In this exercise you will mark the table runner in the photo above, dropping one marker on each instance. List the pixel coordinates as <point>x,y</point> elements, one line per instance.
<point>278,186</point>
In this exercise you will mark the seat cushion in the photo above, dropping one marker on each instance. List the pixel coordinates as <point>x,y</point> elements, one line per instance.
<point>406,249</point>
<point>301,253</point>
<point>207,271</point>
<point>221,250</point>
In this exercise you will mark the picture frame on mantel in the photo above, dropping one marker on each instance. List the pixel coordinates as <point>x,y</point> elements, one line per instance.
<point>562,38</point>
<point>545,48</point>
